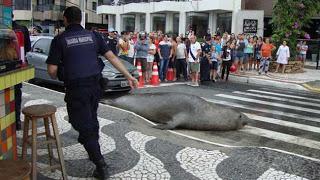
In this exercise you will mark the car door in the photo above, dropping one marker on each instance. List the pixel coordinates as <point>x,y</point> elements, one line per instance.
<point>38,57</point>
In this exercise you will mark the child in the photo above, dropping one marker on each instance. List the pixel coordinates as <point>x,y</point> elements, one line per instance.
<point>214,58</point>
<point>226,60</point>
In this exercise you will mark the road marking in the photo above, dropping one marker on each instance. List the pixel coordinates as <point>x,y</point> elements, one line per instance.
<point>292,115</point>
<point>281,137</point>
<point>269,103</point>
<point>284,95</point>
<point>164,85</point>
<point>283,123</point>
<point>278,98</point>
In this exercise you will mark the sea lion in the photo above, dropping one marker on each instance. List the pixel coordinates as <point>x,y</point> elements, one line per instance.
<point>179,110</point>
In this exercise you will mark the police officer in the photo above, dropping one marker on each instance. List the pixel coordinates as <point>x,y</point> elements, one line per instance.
<point>112,40</point>
<point>73,57</point>
<point>204,64</point>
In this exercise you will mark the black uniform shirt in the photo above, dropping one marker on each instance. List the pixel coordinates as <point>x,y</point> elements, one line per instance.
<point>56,49</point>
<point>73,46</point>
<point>112,43</point>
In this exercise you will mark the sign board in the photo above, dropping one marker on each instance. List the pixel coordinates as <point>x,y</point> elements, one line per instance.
<point>6,13</point>
<point>250,26</point>
<point>7,16</point>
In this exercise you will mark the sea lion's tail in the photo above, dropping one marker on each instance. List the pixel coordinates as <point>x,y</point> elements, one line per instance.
<point>108,102</point>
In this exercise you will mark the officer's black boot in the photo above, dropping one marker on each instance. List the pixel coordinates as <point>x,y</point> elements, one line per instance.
<point>100,172</point>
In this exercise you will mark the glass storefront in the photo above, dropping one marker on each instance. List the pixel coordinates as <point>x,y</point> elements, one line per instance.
<point>198,22</point>
<point>224,22</point>
<point>159,22</point>
<point>128,22</point>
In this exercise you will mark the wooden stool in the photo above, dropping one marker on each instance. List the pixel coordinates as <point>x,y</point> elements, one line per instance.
<point>47,113</point>
<point>14,170</point>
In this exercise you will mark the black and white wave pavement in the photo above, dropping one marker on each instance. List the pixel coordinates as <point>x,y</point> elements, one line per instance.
<point>288,133</point>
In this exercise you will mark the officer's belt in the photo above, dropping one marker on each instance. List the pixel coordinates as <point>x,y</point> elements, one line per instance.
<point>87,81</point>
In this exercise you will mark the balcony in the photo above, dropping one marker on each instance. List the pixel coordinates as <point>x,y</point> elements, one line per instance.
<point>50,7</point>
<point>48,12</point>
<point>123,2</point>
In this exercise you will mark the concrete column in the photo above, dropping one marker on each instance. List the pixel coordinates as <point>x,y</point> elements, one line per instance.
<point>182,22</point>
<point>210,24</point>
<point>111,23</point>
<point>148,22</point>
<point>214,18</point>
<point>118,22</point>
<point>169,22</point>
<point>137,22</point>
<point>236,8</point>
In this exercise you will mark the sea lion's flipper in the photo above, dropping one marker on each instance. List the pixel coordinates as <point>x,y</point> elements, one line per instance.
<point>164,126</point>
<point>175,122</point>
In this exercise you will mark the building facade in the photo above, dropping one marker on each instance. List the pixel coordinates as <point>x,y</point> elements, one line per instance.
<point>181,15</point>
<point>48,13</point>
<point>178,16</point>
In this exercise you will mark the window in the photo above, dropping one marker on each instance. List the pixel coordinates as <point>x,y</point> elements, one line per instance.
<point>22,4</point>
<point>94,6</point>
<point>42,46</point>
<point>159,22</point>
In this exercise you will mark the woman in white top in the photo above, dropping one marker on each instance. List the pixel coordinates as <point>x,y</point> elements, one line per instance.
<point>150,59</point>
<point>283,55</point>
<point>131,49</point>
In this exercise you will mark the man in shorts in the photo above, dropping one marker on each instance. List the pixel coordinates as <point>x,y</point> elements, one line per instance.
<point>142,48</point>
<point>194,62</point>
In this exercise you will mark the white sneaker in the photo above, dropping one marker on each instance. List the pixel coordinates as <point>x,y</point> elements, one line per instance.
<point>195,84</point>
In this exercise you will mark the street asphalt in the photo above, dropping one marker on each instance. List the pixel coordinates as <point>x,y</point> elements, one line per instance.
<point>281,141</point>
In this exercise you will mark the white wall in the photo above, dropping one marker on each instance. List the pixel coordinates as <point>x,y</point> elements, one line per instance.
<point>249,14</point>
<point>153,7</point>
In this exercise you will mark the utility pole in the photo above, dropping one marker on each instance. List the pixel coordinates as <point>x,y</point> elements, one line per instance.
<point>31,9</point>
<point>83,11</point>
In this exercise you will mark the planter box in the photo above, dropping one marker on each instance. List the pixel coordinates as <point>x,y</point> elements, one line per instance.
<point>292,67</point>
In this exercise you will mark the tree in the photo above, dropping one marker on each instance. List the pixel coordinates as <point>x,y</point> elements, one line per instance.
<point>289,18</point>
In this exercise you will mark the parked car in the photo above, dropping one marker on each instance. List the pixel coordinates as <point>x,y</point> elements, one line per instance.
<point>39,53</point>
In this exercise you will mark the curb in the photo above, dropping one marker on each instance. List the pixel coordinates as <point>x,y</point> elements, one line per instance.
<point>310,88</point>
<point>267,82</point>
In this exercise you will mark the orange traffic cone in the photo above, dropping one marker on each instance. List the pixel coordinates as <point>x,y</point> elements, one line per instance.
<point>155,75</point>
<point>141,78</point>
<point>170,74</point>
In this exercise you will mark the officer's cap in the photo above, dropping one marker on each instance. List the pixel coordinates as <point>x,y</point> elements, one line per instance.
<point>111,30</point>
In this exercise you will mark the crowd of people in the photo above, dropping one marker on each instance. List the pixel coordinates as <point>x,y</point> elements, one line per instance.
<point>210,60</point>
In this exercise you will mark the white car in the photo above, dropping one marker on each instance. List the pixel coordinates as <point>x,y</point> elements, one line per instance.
<point>39,54</point>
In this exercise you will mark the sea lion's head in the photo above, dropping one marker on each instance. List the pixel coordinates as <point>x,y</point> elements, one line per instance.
<point>242,120</point>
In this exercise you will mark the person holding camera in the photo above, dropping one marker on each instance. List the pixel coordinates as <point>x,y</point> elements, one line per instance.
<point>142,49</point>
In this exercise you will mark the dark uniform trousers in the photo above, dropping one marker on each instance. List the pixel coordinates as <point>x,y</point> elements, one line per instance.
<point>82,98</point>
<point>18,99</point>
